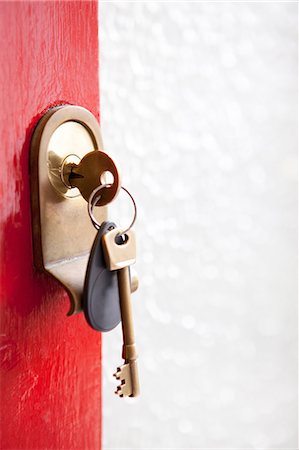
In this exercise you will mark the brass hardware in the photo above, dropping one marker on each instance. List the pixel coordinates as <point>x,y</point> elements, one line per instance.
<point>69,138</point>
<point>92,170</point>
<point>62,231</point>
<point>118,256</point>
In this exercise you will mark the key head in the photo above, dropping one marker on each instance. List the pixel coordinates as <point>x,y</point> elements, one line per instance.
<point>119,253</point>
<point>91,172</point>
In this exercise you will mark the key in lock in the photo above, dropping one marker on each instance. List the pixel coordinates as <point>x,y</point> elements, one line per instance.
<point>95,168</point>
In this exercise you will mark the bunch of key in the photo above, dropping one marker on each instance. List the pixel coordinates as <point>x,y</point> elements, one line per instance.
<point>107,296</point>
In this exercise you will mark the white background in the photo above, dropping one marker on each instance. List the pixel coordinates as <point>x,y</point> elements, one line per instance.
<point>199,106</point>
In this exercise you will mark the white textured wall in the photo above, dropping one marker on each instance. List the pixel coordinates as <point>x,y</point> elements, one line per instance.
<point>199,105</point>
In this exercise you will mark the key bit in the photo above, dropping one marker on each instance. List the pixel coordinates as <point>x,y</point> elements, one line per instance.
<point>127,374</point>
<point>123,374</point>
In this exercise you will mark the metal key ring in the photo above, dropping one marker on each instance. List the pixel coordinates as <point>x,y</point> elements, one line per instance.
<point>94,198</point>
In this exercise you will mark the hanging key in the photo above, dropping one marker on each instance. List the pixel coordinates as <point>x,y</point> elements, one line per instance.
<point>120,256</point>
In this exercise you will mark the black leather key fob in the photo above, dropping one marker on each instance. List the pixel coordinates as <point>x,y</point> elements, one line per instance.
<point>100,295</point>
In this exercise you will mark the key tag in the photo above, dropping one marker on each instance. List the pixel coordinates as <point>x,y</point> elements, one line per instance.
<point>100,300</point>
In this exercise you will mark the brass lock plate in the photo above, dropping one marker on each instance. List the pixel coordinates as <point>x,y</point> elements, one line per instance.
<point>62,231</point>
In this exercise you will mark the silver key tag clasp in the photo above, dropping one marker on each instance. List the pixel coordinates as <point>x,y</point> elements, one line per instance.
<point>119,255</point>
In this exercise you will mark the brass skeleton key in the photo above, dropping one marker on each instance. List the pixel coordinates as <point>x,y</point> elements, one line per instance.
<point>119,257</point>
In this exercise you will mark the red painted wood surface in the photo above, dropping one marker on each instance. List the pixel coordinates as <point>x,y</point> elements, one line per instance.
<point>50,363</point>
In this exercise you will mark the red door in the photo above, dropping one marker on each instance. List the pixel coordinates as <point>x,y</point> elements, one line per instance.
<point>50,363</point>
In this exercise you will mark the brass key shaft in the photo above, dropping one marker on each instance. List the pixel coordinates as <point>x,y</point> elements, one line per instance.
<point>129,352</point>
